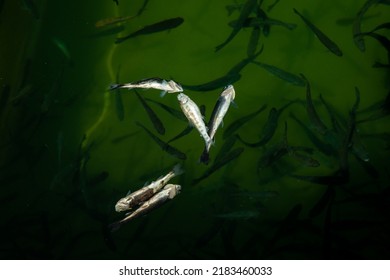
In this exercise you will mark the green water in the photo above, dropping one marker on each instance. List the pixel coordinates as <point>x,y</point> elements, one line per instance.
<point>51,206</point>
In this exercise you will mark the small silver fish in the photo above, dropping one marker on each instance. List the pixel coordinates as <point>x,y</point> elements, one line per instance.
<point>220,110</point>
<point>152,83</point>
<point>194,116</point>
<point>167,193</point>
<point>138,197</point>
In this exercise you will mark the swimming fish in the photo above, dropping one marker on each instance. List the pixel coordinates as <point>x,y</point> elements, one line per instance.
<point>153,28</point>
<point>194,116</point>
<point>241,121</point>
<point>64,49</point>
<point>248,7</point>
<point>112,21</point>
<point>167,193</point>
<point>157,123</point>
<point>321,36</point>
<point>151,83</point>
<point>164,146</point>
<point>223,160</point>
<point>120,111</point>
<point>140,196</point>
<point>174,112</point>
<point>282,74</point>
<point>232,76</point>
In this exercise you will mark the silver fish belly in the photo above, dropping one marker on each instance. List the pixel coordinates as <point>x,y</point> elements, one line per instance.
<point>140,196</point>
<point>226,98</point>
<point>192,113</point>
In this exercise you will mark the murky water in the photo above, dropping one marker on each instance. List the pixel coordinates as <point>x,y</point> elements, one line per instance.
<point>67,155</point>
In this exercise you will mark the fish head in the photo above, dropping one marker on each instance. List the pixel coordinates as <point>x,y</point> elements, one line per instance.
<point>183,99</point>
<point>229,91</point>
<point>173,190</point>
<point>123,204</point>
<point>175,86</point>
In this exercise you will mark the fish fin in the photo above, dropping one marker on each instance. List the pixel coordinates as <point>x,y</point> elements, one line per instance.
<point>129,192</point>
<point>146,183</point>
<point>234,104</point>
<point>162,93</point>
<point>177,169</point>
<point>204,157</point>
<point>222,123</point>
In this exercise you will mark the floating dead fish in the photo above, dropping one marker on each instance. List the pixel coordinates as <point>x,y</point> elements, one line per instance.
<point>151,83</point>
<point>167,193</point>
<point>194,116</point>
<point>140,196</point>
<point>220,109</point>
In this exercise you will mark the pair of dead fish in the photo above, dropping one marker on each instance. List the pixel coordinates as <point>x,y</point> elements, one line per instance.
<point>148,198</point>
<point>151,83</point>
<point>194,116</point>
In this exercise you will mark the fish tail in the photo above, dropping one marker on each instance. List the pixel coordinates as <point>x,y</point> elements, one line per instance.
<point>178,170</point>
<point>204,157</point>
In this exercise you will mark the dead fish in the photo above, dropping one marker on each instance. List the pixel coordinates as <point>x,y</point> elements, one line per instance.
<point>328,43</point>
<point>153,28</point>
<point>194,116</point>
<point>140,196</point>
<point>164,146</point>
<point>158,125</point>
<point>151,83</point>
<point>220,109</point>
<point>167,193</point>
